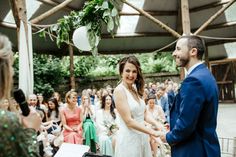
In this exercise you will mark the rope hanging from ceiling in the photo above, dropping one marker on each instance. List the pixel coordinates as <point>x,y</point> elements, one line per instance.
<point>216,38</point>
<point>204,37</point>
<point>40,27</point>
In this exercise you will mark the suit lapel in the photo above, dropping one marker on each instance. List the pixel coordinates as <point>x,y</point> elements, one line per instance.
<point>177,95</point>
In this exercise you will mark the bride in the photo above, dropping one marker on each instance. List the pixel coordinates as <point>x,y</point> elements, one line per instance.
<point>133,136</point>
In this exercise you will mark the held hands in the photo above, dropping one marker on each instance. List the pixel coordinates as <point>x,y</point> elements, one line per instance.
<point>159,134</point>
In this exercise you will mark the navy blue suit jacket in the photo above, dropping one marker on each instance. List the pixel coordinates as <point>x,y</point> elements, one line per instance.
<point>193,116</point>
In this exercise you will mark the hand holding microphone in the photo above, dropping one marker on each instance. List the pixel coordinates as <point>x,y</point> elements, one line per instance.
<point>20,99</point>
<point>30,118</point>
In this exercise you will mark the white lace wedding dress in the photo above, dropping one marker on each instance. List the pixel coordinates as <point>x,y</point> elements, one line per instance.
<point>130,142</point>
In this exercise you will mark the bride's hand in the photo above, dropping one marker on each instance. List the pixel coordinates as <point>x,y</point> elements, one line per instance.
<point>155,133</point>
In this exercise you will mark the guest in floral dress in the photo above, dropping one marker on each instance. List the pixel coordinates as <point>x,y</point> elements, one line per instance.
<point>106,126</point>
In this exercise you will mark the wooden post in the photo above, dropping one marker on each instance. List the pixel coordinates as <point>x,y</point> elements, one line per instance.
<point>72,76</point>
<point>185,17</point>
<point>19,12</point>
<point>212,18</point>
<point>52,3</point>
<point>179,27</point>
<point>156,21</point>
<point>185,25</point>
<point>50,12</point>
<point>8,25</point>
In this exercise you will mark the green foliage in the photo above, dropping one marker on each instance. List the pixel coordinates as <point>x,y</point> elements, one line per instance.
<point>106,66</point>
<point>112,61</point>
<point>94,14</point>
<point>91,66</point>
<point>161,62</point>
<point>82,65</point>
<point>64,28</point>
<point>16,66</point>
<point>47,73</point>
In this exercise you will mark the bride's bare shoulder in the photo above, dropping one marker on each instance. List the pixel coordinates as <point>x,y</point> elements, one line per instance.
<point>118,89</point>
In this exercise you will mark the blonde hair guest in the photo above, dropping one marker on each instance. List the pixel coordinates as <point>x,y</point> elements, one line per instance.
<point>6,62</point>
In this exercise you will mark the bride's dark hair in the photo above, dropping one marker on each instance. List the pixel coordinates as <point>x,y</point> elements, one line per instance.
<point>139,80</point>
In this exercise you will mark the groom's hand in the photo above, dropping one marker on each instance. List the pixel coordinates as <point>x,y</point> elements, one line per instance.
<point>162,136</point>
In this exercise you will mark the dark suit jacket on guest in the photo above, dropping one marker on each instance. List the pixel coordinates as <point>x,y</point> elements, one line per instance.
<point>193,117</point>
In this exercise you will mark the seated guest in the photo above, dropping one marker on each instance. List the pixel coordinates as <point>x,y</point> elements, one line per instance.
<point>106,126</point>
<point>58,97</point>
<point>162,99</point>
<point>89,130</point>
<point>5,105</point>
<point>159,115</point>
<point>71,118</point>
<point>33,102</point>
<point>54,119</point>
<point>155,110</point>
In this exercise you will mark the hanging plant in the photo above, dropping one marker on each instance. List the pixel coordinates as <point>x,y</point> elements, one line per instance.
<point>93,15</point>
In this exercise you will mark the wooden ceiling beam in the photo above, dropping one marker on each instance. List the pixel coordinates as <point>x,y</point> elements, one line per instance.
<point>213,17</point>
<point>217,26</point>
<point>208,6</point>
<point>50,12</point>
<point>52,3</point>
<point>136,51</point>
<point>221,25</point>
<point>151,12</point>
<point>64,51</point>
<point>223,61</point>
<point>139,34</point>
<point>8,25</point>
<point>156,21</point>
<point>217,42</point>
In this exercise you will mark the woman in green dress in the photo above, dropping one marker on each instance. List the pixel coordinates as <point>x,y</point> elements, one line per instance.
<point>89,129</point>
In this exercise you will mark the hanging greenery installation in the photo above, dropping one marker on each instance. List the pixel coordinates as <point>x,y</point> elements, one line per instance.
<point>94,15</point>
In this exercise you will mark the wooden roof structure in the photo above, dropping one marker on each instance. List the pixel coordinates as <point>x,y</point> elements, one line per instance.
<point>145,25</point>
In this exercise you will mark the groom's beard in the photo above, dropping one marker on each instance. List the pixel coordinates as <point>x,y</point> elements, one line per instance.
<point>183,62</point>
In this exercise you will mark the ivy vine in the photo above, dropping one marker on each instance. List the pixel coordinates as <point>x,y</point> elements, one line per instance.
<point>93,15</point>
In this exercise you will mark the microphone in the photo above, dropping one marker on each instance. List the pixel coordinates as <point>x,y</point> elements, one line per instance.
<point>20,99</point>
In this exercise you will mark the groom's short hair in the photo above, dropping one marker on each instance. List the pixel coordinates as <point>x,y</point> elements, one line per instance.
<point>194,41</point>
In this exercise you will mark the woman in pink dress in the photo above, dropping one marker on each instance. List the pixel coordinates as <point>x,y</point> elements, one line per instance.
<point>72,120</point>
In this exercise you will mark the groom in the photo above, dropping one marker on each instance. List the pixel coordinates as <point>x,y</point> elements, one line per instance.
<point>194,112</point>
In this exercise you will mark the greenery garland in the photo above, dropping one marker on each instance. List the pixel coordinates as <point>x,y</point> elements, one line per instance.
<point>93,15</point>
